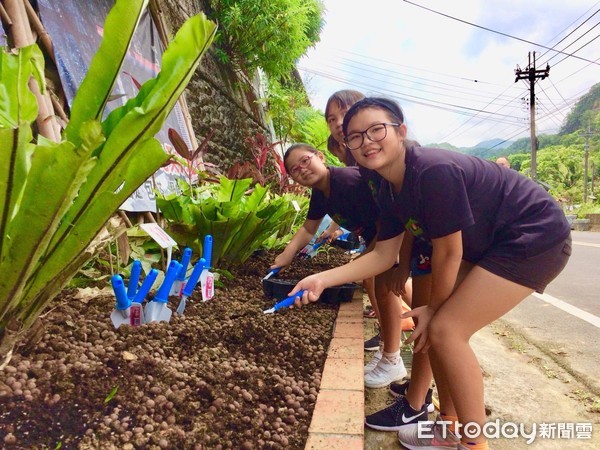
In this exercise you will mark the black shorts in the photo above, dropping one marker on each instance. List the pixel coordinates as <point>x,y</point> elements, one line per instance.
<point>535,272</point>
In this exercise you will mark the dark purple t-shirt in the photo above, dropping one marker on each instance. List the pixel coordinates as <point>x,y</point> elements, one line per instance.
<point>494,207</point>
<point>349,204</point>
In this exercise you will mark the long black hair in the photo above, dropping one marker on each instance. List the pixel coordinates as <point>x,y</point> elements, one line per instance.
<point>381,103</point>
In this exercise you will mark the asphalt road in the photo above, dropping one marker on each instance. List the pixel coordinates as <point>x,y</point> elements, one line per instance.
<point>565,320</point>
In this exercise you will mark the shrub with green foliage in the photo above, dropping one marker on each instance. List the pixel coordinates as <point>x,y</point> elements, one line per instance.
<point>240,219</point>
<point>270,34</point>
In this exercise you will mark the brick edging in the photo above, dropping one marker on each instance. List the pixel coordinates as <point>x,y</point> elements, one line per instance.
<point>339,414</point>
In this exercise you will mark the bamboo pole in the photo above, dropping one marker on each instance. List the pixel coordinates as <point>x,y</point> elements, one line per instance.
<point>43,35</point>
<point>22,36</point>
<point>45,120</point>
<point>59,110</point>
<point>20,30</point>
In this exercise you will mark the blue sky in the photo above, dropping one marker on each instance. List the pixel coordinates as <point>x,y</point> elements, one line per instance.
<point>429,63</point>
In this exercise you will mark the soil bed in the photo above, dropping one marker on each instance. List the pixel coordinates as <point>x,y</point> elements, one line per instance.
<point>224,375</point>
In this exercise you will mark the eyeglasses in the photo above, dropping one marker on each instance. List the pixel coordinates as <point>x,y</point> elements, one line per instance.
<point>302,164</point>
<point>375,133</point>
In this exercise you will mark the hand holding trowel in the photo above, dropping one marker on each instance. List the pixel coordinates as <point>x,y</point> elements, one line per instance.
<point>285,303</point>
<point>157,310</point>
<point>207,279</point>
<point>190,285</point>
<point>273,272</point>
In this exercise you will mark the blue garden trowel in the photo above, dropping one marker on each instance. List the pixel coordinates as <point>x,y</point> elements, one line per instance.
<point>207,279</point>
<point>311,250</point>
<point>157,310</point>
<point>190,285</point>
<point>182,274</point>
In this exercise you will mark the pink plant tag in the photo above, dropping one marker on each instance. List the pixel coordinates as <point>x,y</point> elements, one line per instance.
<point>135,315</point>
<point>207,280</point>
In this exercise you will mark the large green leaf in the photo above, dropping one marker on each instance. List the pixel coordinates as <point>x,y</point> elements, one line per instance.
<point>90,224</point>
<point>15,155</point>
<point>56,173</point>
<point>105,67</point>
<point>17,102</point>
<point>144,118</point>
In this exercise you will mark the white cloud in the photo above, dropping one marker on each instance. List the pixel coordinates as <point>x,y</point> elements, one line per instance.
<point>429,62</point>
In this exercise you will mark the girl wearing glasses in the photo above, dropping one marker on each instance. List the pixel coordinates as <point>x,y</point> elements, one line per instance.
<point>497,237</point>
<point>343,194</point>
<point>414,398</point>
<point>388,338</point>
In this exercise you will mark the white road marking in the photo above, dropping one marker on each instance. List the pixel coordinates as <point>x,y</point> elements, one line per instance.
<point>586,244</point>
<point>573,310</point>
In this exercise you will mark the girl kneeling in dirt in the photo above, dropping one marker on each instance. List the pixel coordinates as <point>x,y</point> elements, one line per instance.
<point>343,194</point>
<point>497,237</point>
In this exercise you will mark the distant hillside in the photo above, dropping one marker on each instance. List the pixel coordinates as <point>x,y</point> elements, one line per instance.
<point>486,149</point>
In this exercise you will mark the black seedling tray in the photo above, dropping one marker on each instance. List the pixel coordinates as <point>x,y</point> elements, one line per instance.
<point>278,289</point>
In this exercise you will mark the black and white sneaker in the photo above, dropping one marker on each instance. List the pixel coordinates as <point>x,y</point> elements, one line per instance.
<point>395,416</point>
<point>397,389</point>
<point>372,344</point>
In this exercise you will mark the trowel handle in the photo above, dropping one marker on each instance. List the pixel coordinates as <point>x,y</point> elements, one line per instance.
<point>134,279</point>
<point>194,277</point>
<point>145,287</point>
<point>185,262</point>
<point>120,293</point>
<point>289,301</point>
<point>163,291</point>
<point>207,250</point>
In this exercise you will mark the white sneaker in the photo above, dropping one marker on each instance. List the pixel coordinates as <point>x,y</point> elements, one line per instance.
<point>428,435</point>
<point>374,361</point>
<point>384,373</point>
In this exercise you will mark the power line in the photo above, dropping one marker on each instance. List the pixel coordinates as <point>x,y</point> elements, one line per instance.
<point>392,76</point>
<point>411,98</point>
<point>499,32</point>
<point>579,26</point>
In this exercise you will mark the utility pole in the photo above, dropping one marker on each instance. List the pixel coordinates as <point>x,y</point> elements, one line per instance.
<point>586,158</point>
<point>592,186</point>
<point>531,74</point>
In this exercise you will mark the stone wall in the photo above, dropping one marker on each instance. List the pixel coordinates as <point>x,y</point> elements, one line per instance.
<point>217,97</point>
<point>594,222</point>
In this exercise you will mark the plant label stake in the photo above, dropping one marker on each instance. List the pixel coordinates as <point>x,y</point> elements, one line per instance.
<point>180,279</point>
<point>272,273</point>
<point>134,279</point>
<point>190,285</point>
<point>157,310</point>
<point>120,315</point>
<point>160,236</point>
<point>207,279</point>
<point>285,303</point>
